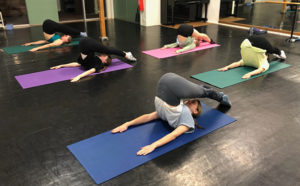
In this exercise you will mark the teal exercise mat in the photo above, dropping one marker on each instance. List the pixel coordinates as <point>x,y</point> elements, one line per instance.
<point>21,49</point>
<point>234,76</point>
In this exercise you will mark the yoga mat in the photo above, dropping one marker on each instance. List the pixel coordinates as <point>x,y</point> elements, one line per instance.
<point>169,52</point>
<point>108,155</point>
<point>234,76</point>
<point>51,76</point>
<point>21,49</point>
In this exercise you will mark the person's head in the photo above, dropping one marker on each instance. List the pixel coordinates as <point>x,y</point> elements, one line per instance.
<point>196,109</point>
<point>106,59</point>
<point>194,106</point>
<point>66,38</point>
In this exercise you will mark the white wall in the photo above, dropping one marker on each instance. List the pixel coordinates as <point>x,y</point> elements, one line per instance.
<point>151,14</point>
<point>213,11</point>
<point>109,9</point>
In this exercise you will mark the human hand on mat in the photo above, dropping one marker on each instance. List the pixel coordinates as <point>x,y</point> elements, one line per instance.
<point>74,79</point>
<point>164,47</point>
<point>246,76</point>
<point>223,69</point>
<point>146,150</point>
<point>120,128</point>
<point>27,44</point>
<point>56,67</point>
<point>34,49</point>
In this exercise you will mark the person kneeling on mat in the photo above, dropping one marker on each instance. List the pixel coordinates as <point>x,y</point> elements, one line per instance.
<point>50,28</point>
<point>92,63</point>
<point>254,52</point>
<point>188,38</point>
<point>170,106</point>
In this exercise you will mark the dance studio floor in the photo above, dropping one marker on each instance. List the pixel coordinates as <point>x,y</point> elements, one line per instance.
<point>261,148</point>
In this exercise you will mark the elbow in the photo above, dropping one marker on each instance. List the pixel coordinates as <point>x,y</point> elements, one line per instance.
<point>262,70</point>
<point>148,117</point>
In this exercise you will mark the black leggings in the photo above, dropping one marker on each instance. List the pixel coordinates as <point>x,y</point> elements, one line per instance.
<point>263,43</point>
<point>185,30</point>
<point>51,27</point>
<point>171,88</point>
<point>89,46</point>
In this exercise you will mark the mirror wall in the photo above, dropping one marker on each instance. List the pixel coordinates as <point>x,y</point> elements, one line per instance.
<point>259,14</point>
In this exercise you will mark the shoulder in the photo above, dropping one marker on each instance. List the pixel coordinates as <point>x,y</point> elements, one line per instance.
<point>57,42</point>
<point>186,114</point>
<point>187,119</point>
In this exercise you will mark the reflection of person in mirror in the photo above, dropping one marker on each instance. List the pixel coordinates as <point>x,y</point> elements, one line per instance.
<point>254,52</point>
<point>13,8</point>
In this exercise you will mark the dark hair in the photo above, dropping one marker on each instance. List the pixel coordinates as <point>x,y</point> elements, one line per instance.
<point>199,109</point>
<point>108,61</point>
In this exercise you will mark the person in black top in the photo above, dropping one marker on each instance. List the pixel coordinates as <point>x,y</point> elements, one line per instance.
<point>91,62</point>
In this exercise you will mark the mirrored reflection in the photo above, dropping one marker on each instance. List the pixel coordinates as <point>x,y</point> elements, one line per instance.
<point>72,9</point>
<point>14,11</point>
<point>268,16</point>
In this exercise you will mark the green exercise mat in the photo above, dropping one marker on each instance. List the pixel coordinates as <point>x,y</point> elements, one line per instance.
<point>21,49</point>
<point>234,76</point>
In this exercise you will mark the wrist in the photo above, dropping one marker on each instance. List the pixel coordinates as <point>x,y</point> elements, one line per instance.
<point>154,145</point>
<point>127,124</point>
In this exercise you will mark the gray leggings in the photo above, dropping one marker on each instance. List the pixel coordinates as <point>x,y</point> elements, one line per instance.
<point>171,88</point>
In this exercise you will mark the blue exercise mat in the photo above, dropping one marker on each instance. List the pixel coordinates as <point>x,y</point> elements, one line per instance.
<point>108,155</point>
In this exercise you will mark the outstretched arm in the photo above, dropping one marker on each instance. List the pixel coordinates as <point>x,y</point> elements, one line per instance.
<point>73,64</point>
<point>164,140</point>
<point>86,73</point>
<point>35,43</point>
<point>232,65</point>
<point>139,120</point>
<point>252,73</point>
<point>55,43</point>
<point>172,45</point>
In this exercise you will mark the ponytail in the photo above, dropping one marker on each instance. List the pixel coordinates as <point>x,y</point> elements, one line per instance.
<point>197,126</point>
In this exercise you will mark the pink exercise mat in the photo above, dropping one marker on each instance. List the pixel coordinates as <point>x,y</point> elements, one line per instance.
<point>169,52</point>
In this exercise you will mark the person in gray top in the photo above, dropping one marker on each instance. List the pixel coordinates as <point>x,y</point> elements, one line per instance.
<point>176,103</point>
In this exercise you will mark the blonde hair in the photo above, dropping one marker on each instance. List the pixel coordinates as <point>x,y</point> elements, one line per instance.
<point>69,39</point>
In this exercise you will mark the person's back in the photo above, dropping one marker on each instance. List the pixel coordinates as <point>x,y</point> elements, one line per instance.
<point>252,56</point>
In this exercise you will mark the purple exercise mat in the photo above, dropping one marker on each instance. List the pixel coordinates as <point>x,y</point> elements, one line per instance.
<point>51,76</point>
<point>169,52</point>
